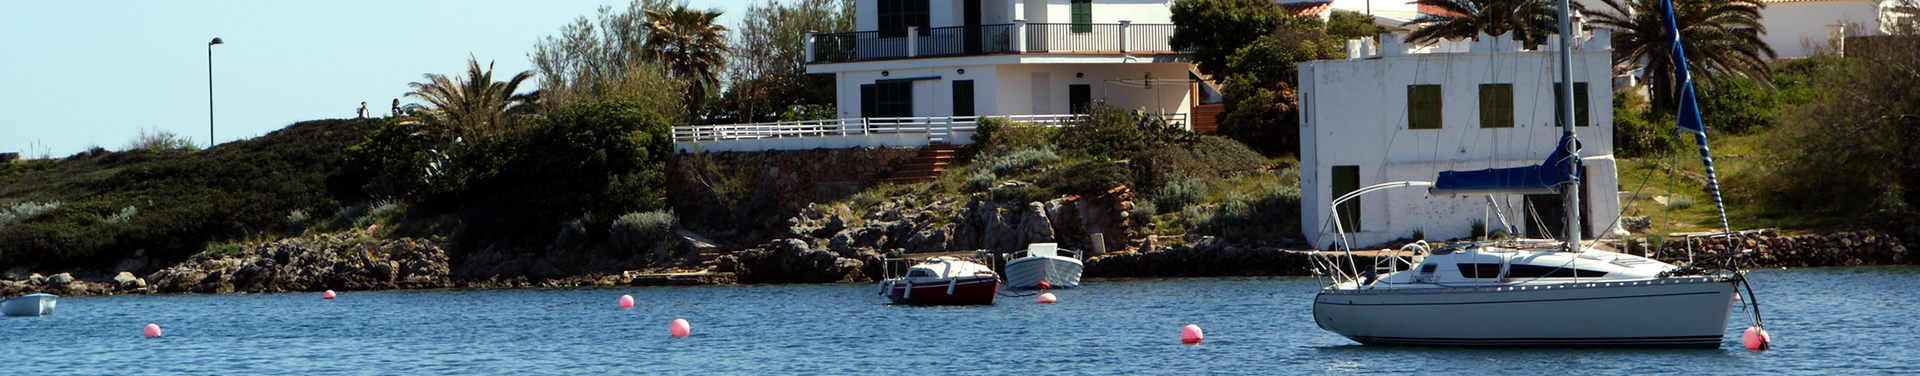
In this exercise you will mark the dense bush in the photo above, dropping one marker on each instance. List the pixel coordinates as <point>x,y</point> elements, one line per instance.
<point>1637,132</point>
<point>1023,160</point>
<point>1856,152</point>
<point>1737,105</point>
<point>980,181</point>
<point>637,232</point>
<point>604,158</point>
<point>1179,191</point>
<point>1206,157</point>
<point>1021,194</point>
<point>1087,177</point>
<point>996,136</point>
<point>25,210</point>
<point>1115,133</point>
<point>1275,211</point>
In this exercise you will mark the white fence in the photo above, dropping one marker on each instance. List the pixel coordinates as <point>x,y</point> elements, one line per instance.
<point>849,133</point>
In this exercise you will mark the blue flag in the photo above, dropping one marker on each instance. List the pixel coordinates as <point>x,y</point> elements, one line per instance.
<point>1689,115</point>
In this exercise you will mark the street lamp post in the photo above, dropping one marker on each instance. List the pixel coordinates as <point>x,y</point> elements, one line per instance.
<point>210,91</point>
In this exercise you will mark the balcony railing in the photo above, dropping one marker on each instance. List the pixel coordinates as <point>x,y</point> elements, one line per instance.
<point>859,132</point>
<point>1018,37</point>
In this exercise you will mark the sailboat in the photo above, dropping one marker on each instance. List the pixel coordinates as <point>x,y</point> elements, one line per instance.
<point>1530,292</point>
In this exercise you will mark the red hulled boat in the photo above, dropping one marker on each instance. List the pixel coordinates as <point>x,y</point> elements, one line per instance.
<point>943,280</point>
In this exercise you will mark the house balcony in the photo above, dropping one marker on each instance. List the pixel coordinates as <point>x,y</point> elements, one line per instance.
<point>1018,37</point>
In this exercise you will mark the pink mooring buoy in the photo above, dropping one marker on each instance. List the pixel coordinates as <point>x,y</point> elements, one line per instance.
<point>626,301</point>
<point>153,330</point>
<point>680,328</point>
<point>1756,339</point>
<point>327,295</point>
<point>1190,334</point>
<point>1047,298</point>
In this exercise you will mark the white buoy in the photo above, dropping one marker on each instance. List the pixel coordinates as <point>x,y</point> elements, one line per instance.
<point>1047,298</point>
<point>152,330</point>
<point>1190,335</point>
<point>680,328</point>
<point>626,301</point>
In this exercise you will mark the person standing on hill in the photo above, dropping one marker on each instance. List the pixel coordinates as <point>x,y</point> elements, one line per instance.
<point>363,110</point>
<point>396,107</point>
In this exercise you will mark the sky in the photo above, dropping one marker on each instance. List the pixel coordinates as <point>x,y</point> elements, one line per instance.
<point>78,74</point>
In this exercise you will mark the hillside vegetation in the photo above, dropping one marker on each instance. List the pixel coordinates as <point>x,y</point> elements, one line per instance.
<point>95,207</point>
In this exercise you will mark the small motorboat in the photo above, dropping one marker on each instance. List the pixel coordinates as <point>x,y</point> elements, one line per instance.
<point>1044,262</point>
<point>943,280</point>
<point>29,305</point>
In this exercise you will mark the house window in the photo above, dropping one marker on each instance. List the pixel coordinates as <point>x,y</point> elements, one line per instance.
<point>1079,97</point>
<point>1346,179</point>
<point>886,99</point>
<point>1423,106</point>
<point>897,15</point>
<point>1579,104</point>
<point>1496,105</point>
<point>1082,16</point>
<point>963,98</point>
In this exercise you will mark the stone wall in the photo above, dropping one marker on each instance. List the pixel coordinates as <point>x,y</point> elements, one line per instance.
<point>1772,249</point>
<point>752,191</point>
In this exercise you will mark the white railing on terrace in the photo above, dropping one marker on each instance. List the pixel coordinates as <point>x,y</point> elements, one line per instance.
<point>856,132</point>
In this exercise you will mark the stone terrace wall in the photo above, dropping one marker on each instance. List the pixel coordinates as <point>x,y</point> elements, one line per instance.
<point>736,188</point>
<point>1772,249</point>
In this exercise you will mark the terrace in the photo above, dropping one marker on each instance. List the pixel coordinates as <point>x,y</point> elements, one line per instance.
<point>1017,37</point>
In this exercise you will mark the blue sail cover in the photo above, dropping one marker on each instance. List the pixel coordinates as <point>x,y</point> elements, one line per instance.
<point>1543,178</point>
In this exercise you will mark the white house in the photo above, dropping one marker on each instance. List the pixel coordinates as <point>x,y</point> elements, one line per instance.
<point>921,71</point>
<point>1793,26</point>
<point>1404,115</point>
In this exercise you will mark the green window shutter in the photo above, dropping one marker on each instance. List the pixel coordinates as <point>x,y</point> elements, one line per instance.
<point>1346,179</point>
<point>1580,104</point>
<point>1423,106</point>
<point>963,98</point>
<point>1496,105</point>
<point>1082,16</point>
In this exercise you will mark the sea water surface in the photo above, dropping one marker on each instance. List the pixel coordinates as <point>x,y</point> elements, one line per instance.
<point>1858,320</point>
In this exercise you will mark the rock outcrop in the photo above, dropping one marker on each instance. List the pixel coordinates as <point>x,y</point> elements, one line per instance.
<point>344,261</point>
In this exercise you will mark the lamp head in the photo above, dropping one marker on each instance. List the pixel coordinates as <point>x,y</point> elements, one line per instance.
<point>214,42</point>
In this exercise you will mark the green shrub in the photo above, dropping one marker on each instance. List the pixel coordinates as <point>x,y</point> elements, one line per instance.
<point>981,181</point>
<point>996,136</point>
<point>574,234</point>
<point>637,232</point>
<point>604,158</point>
<point>298,219</point>
<point>1021,194</point>
<point>1023,160</point>
<point>25,210</point>
<point>349,215</point>
<point>1205,157</point>
<point>1115,133</point>
<point>1180,191</point>
<point>384,212</point>
<point>122,217</point>
<point>1679,202</point>
<point>1738,105</point>
<point>1088,177</point>
<point>1142,215</point>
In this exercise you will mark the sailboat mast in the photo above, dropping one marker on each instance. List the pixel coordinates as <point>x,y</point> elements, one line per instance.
<point>1572,190</point>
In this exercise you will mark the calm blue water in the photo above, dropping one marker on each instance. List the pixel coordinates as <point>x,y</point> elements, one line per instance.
<point>1845,320</point>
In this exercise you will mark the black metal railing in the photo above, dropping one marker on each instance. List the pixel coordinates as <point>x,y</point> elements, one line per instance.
<point>991,39</point>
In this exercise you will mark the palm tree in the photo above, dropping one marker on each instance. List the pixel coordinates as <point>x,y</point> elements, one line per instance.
<point>1530,21</point>
<point>1721,37</point>
<point>475,103</point>
<point>687,43</point>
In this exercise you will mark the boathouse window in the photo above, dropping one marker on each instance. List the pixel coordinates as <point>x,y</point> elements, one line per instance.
<point>1079,98</point>
<point>1346,179</point>
<point>897,15</point>
<point>1496,105</point>
<point>1579,104</point>
<point>886,99</point>
<point>1526,271</point>
<point>1082,16</point>
<point>963,98</point>
<point>1423,106</point>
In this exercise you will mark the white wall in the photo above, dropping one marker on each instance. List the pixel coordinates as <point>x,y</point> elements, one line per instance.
<point>1106,11</point>
<point>1008,89</point>
<point>1354,113</point>
<point>1793,26</point>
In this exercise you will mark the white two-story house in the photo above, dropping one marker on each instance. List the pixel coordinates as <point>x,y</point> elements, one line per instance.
<point>1406,115</point>
<point>937,65</point>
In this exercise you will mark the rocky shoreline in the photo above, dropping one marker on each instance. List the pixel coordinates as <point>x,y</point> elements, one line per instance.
<point>825,245</point>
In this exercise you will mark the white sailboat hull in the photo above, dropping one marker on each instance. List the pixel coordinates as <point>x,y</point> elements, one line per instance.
<point>1672,312</point>
<point>1059,272</point>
